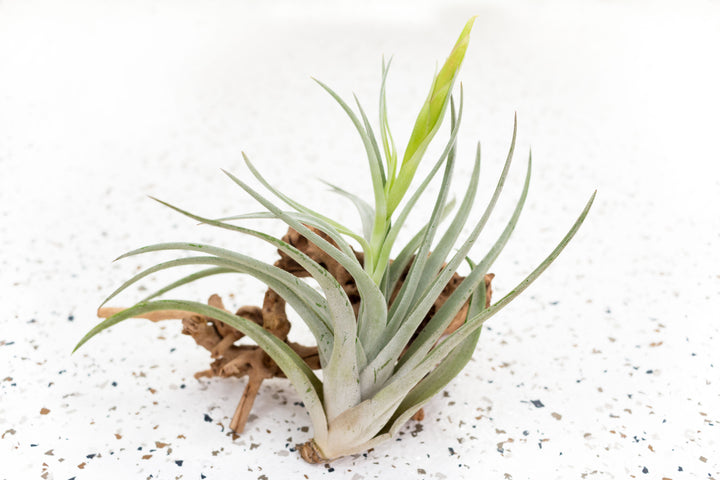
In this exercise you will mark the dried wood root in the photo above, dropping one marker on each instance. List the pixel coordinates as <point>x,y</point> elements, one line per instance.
<point>244,360</point>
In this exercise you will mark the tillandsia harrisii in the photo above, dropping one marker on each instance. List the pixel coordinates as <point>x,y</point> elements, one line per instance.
<point>378,368</point>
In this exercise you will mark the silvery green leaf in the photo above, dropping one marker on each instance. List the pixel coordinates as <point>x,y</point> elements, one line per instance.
<point>392,234</point>
<point>401,329</point>
<point>399,385</point>
<point>440,251</point>
<point>306,383</point>
<point>327,225</point>
<point>380,367</point>
<point>364,209</point>
<point>386,135</point>
<point>442,318</point>
<point>307,219</point>
<point>445,372</point>
<point>375,173</point>
<point>397,267</point>
<point>373,141</point>
<point>188,279</point>
<point>310,305</point>
<point>342,370</point>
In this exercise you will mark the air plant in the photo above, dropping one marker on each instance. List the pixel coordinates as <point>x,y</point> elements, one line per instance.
<point>381,366</point>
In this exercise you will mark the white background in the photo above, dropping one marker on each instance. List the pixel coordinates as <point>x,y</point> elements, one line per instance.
<point>103,103</point>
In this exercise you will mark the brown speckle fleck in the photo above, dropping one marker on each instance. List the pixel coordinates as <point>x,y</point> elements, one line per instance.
<point>44,411</point>
<point>81,466</point>
<point>147,457</point>
<point>161,444</point>
<point>703,459</point>
<point>556,416</point>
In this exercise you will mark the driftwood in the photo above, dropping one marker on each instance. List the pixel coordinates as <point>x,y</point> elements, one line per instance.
<point>232,360</point>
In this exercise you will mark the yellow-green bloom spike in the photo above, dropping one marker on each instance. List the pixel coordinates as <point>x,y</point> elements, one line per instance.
<point>429,119</point>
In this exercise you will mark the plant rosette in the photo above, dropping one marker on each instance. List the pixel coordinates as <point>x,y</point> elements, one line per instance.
<point>381,365</point>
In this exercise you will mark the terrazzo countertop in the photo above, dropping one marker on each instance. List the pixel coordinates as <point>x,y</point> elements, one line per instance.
<point>607,367</point>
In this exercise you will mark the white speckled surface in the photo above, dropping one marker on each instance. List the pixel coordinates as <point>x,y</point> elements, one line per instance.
<point>103,103</point>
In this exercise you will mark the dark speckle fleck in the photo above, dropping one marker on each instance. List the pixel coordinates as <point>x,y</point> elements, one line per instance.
<point>71,318</point>
<point>114,384</point>
<point>537,403</point>
<point>451,450</point>
<point>680,469</point>
<point>645,470</point>
<point>208,418</point>
<point>91,456</point>
<point>526,433</point>
<point>649,372</point>
<point>178,463</point>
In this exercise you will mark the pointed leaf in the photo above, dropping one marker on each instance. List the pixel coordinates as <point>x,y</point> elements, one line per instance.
<point>364,209</point>
<point>310,305</point>
<point>306,383</point>
<point>445,372</point>
<point>442,318</point>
